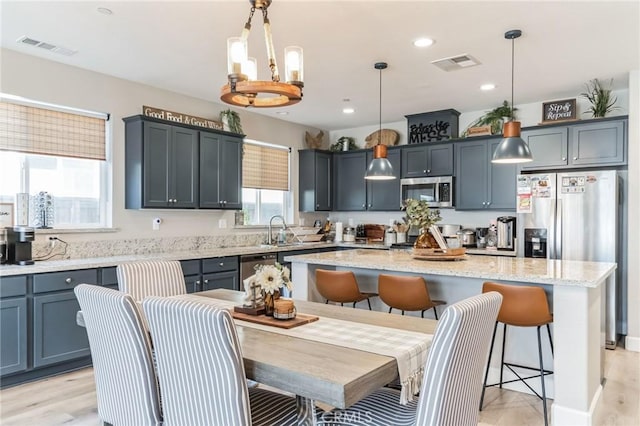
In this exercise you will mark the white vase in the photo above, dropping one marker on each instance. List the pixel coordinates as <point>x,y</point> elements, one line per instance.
<point>225,123</point>
<point>345,145</point>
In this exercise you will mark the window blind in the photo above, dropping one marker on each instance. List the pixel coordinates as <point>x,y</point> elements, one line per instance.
<point>43,131</point>
<point>265,167</point>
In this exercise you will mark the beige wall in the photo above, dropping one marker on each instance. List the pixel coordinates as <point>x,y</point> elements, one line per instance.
<point>52,82</point>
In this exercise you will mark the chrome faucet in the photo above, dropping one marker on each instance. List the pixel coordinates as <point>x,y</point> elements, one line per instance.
<point>284,227</point>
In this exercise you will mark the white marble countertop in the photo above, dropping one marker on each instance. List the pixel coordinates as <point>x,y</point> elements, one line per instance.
<point>102,262</point>
<point>539,271</point>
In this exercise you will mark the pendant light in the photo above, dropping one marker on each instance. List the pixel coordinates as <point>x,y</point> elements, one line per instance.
<point>512,149</point>
<point>380,167</point>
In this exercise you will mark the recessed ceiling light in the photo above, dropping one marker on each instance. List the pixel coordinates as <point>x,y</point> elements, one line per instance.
<point>105,11</point>
<point>282,112</point>
<point>348,110</point>
<point>487,86</point>
<point>423,42</point>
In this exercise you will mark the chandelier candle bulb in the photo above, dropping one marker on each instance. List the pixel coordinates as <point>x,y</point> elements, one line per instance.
<point>236,54</point>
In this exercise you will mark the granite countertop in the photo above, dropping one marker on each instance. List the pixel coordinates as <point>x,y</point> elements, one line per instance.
<point>101,262</point>
<point>539,271</point>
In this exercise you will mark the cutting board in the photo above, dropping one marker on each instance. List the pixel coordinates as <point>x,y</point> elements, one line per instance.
<point>300,319</point>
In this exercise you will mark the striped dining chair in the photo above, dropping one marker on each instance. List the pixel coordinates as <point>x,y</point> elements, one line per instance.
<point>126,382</point>
<point>452,380</point>
<point>201,371</point>
<point>151,278</point>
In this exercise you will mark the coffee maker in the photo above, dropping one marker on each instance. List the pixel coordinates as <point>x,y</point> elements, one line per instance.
<point>506,233</point>
<point>19,240</point>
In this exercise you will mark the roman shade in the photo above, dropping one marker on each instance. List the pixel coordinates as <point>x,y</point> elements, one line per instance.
<point>35,130</point>
<point>265,166</point>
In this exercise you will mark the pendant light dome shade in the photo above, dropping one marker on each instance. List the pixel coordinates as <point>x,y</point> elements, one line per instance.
<point>512,149</point>
<point>380,168</point>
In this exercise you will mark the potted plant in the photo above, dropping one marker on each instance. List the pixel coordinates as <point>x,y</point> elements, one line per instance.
<point>494,118</point>
<point>344,142</point>
<point>231,121</point>
<point>421,216</point>
<point>600,98</point>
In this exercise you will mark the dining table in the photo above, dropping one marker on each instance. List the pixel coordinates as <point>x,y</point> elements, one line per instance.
<point>326,372</point>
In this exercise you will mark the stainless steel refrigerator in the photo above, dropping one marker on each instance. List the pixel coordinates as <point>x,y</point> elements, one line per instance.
<point>572,216</point>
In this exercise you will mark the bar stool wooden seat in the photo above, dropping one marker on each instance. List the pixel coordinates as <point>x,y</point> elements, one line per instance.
<point>522,306</point>
<point>340,287</point>
<point>406,293</point>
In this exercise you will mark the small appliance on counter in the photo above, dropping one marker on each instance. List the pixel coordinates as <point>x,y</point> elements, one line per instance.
<point>3,246</point>
<point>467,237</point>
<point>19,239</point>
<point>481,237</point>
<point>506,233</point>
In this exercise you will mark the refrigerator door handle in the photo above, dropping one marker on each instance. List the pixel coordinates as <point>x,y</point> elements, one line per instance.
<point>551,236</point>
<point>558,236</point>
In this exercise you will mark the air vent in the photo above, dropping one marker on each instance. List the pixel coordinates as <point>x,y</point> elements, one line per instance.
<point>456,62</point>
<point>46,46</point>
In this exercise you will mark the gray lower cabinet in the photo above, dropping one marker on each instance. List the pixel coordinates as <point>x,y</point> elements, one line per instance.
<point>354,193</point>
<point>220,171</point>
<point>56,337</point>
<point>13,325</point>
<point>314,183</point>
<point>589,144</point>
<point>480,184</point>
<point>427,160</point>
<point>211,273</point>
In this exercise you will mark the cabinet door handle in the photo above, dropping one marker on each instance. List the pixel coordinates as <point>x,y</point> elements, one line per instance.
<point>484,204</point>
<point>68,280</point>
<point>488,203</point>
<point>575,158</point>
<point>424,171</point>
<point>206,281</point>
<point>221,264</point>
<point>564,158</point>
<point>428,171</point>
<point>364,206</point>
<point>369,206</point>
<point>317,206</point>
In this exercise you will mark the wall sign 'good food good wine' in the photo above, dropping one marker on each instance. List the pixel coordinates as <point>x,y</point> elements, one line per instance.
<point>178,117</point>
<point>564,110</point>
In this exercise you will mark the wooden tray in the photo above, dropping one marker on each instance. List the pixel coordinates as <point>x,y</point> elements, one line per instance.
<point>439,254</point>
<point>300,319</point>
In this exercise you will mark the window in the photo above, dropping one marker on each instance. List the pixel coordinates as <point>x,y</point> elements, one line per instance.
<point>48,149</point>
<point>265,182</point>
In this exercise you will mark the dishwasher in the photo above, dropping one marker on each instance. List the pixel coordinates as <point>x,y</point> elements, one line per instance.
<point>250,261</point>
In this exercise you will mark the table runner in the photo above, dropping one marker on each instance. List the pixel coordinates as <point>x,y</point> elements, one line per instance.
<point>409,348</point>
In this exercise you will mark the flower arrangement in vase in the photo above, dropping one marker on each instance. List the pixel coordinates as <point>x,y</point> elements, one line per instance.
<point>421,216</point>
<point>271,279</point>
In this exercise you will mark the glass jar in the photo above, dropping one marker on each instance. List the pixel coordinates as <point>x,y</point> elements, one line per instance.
<point>349,235</point>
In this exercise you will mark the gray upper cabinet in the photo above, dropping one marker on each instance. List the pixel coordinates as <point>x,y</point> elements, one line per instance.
<point>354,193</point>
<point>314,183</point>
<point>161,165</point>
<point>480,184</point>
<point>427,160</point>
<point>548,147</point>
<point>350,186</point>
<point>598,143</point>
<point>220,171</point>
<point>590,144</point>
<point>384,195</point>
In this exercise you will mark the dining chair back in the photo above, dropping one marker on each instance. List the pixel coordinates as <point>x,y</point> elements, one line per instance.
<point>126,382</point>
<point>340,287</point>
<point>452,379</point>
<point>151,278</point>
<point>201,370</point>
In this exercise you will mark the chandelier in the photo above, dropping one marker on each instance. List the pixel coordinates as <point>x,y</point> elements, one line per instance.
<point>243,88</point>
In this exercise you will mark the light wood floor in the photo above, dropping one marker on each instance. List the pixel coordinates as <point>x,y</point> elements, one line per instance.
<point>70,399</point>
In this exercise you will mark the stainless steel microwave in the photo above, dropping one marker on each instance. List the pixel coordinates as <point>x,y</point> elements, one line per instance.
<point>437,191</point>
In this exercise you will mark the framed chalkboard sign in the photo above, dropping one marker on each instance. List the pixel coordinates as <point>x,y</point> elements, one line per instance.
<point>564,110</point>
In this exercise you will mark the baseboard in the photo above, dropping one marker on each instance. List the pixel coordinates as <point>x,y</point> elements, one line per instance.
<point>632,343</point>
<point>568,416</point>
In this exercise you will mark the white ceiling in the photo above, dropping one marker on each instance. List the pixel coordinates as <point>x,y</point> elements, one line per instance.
<point>181,46</point>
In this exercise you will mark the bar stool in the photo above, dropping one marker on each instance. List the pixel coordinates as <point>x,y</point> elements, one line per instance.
<point>522,306</point>
<point>340,287</point>
<point>406,293</point>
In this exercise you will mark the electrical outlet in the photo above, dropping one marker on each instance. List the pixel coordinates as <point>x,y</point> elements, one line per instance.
<point>156,223</point>
<point>222,223</point>
<point>52,240</point>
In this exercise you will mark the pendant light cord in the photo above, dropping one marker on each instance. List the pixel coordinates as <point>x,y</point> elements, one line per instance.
<point>512,74</point>
<point>380,110</point>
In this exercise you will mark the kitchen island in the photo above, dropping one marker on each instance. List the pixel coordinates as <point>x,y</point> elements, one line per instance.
<point>577,296</point>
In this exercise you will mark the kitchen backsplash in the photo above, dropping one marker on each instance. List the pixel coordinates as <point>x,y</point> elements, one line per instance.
<point>104,248</point>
